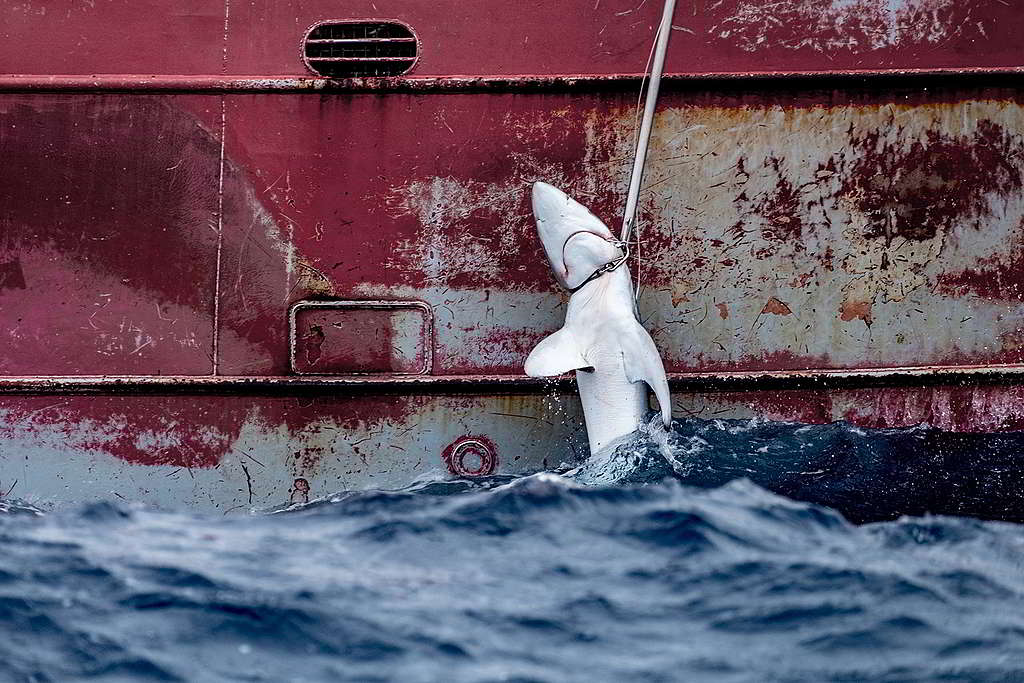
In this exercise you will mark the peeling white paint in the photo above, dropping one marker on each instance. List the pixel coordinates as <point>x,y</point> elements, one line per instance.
<point>440,204</point>
<point>709,278</point>
<point>712,215</point>
<point>851,25</point>
<point>58,456</point>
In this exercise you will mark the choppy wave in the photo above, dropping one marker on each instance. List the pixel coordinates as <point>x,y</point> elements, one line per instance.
<point>669,558</point>
<point>867,474</point>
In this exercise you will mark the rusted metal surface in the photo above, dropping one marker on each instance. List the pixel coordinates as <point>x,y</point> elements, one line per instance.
<point>889,77</point>
<point>225,453</point>
<point>780,229</point>
<point>362,337</point>
<point>753,380</point>
<point>783,230</point>
<point>229,453</point>
<point>830,228</point>
<point>471,456</point>
<point>972,408</point>
<point>360,47</point>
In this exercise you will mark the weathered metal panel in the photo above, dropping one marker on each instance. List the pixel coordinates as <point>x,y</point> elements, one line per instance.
<point>108,234</point>
<point>780,229</point>
<point>235,452</point>
<point>957,408</point>
<point>228,453</point>
<point>361,337</point>
<point>837,226</point>
<point>858,230</point>
<point>262,37</point>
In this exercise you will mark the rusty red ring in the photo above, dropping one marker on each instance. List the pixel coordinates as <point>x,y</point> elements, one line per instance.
<point>454,456</point>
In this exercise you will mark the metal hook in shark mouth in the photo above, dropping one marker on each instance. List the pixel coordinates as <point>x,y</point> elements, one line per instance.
<point>606,268</point>
<point>602,339</point>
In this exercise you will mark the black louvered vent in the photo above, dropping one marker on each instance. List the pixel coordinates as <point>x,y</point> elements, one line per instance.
<point>351,49</point>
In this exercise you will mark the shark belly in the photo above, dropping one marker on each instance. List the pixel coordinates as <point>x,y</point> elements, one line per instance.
<point>612,405</point>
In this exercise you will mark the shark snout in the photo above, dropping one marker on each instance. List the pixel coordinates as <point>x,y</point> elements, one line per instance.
<point>549,203</point>
<point>573,238</point>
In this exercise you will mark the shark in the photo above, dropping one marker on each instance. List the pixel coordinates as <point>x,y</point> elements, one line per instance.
<point>602,339</point>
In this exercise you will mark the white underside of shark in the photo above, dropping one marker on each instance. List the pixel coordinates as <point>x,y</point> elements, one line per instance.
<point>613,355</point>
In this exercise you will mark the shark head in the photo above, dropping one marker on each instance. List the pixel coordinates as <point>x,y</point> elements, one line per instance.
<point>576,242</point>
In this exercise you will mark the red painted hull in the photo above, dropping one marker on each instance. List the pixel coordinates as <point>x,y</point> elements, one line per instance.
<point>831,229</point>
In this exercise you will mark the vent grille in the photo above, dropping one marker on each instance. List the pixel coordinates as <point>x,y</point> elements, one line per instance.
<point>356,49</point>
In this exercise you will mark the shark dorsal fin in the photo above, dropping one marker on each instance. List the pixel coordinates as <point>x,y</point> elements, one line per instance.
<point>642,363</point>
<point>557,354</point>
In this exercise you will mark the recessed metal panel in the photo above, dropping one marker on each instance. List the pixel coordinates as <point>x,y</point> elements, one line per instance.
<point>361,337</point>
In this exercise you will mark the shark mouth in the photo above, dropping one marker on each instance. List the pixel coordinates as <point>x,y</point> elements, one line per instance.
<point>608,266</point>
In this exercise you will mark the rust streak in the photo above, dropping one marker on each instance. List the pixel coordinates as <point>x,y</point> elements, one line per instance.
<point>775,307</point>
<point>855,310</point>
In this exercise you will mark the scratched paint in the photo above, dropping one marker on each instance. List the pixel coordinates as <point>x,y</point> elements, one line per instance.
<point>952,408</point>
<point>167,451</point>
<point>261,38</point>
<point>784,225</point>
<point>269,451</point>
<point>834,229</point>
<point>849,234</point>
<point>109,249</point>
<point>836,234</point>
<point>837,230</point>
<point>855,26</point>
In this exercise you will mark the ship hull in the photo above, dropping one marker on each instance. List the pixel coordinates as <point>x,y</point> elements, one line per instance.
<point>228,283</point>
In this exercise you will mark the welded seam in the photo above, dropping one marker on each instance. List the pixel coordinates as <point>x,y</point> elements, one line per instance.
<point>220,240</point>
<point>710,382</point>
<point>483,83</point>
<point>220,197</point>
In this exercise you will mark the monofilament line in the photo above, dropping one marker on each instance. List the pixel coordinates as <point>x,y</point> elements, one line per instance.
<point>640,153</point>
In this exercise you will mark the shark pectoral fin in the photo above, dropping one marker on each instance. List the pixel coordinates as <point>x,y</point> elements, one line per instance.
<point>555,355</point>
<point>642,363</point>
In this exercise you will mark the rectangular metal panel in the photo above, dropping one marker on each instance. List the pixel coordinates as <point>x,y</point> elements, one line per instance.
<point>614,36</point>
<point>108,234</point>
<point>361,337</point>
<point>781,228</point>
<point>231,453</point>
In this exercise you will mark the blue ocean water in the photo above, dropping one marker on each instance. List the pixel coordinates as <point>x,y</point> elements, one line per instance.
<point>726,551</point>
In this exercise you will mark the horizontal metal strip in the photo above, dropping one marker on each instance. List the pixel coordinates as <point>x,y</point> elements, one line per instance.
<point>426,384</point>
<point>349,41</point>
<point>210,83</point>
<point>361,59</point>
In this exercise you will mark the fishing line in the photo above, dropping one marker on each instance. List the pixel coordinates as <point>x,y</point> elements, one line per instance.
<point>656,67</point>
<point>636,141</point>
<point>640,95</point>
